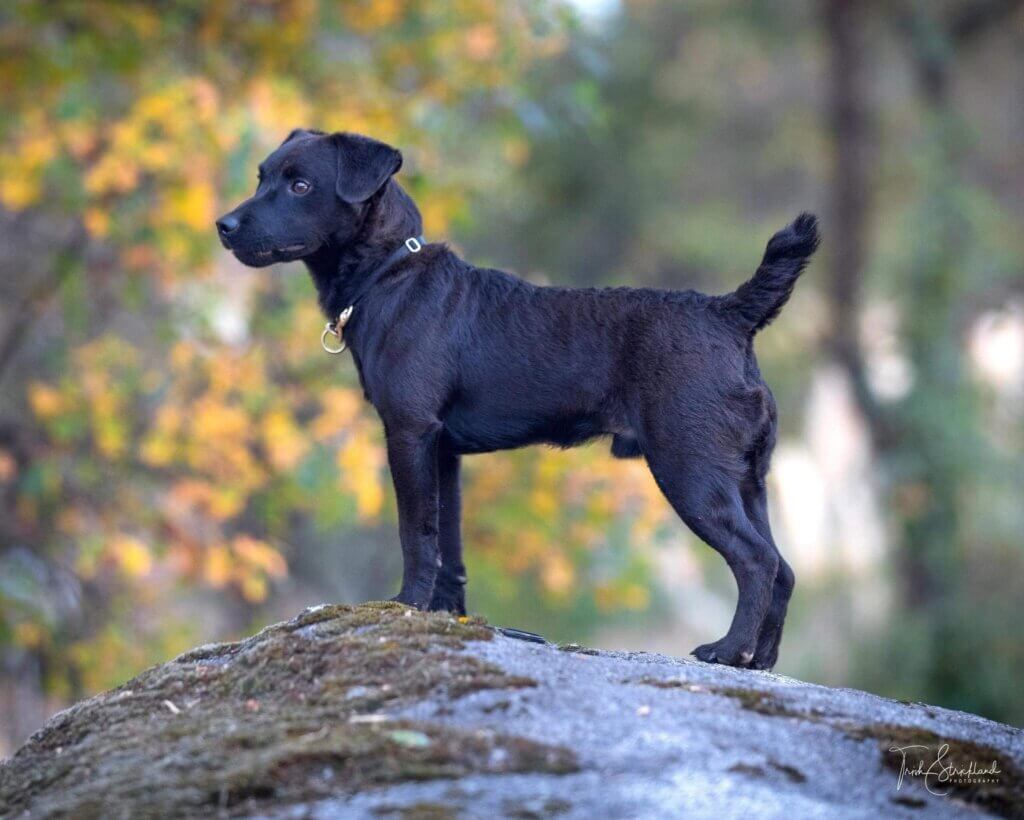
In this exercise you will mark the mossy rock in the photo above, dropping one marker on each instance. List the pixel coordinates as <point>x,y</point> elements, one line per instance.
<point>290,715</point>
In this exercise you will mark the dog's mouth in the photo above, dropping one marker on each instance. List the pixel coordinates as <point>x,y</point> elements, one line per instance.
<point>259,257</point>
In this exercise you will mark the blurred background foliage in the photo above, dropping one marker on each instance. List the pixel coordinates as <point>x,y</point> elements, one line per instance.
<point>180,462</point>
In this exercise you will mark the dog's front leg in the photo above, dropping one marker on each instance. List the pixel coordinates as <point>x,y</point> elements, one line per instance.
<point>412,456</point>
<point>450,587</point>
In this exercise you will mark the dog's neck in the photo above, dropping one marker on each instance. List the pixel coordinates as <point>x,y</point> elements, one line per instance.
<point>344,269</point>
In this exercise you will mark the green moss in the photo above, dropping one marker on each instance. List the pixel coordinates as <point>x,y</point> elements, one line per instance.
<point>1003,796</point>
<point>553,807</point>
<point>288,715</point>
<point>418,811</point>
<point>748,770</point>
<point>754,700</point>
<point>909,801</point>
<point>760,701</point>
<point>791,773</point>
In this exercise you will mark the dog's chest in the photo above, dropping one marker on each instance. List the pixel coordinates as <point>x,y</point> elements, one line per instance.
<point>357,361</point>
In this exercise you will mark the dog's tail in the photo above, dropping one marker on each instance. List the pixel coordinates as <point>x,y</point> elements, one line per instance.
<point>756,302</point>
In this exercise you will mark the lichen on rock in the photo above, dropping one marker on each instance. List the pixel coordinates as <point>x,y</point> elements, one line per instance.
<point>901,748</point>
<point>294,713</point>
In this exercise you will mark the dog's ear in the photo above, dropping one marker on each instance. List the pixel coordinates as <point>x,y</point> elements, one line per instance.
<point>364,165</point>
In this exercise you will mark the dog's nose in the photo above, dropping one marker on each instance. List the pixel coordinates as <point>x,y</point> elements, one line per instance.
<point>227,225</point>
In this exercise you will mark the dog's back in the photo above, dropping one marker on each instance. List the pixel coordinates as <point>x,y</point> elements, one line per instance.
<point>562,365</point>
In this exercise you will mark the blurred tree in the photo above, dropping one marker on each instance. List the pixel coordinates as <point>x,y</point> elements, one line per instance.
<point>666,144</point>
<point>931,442</point>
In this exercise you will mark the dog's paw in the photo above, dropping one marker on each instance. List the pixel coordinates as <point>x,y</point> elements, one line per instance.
<point>724,651</point>
<point>449,593</point>
<point>455,604</point>
<point>767,652</point>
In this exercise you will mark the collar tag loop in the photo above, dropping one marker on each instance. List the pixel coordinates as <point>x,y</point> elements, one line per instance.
<point>335,329</point>
<point>414,244</point>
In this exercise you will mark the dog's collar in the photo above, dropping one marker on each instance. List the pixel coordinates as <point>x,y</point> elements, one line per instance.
<point>414,244</point>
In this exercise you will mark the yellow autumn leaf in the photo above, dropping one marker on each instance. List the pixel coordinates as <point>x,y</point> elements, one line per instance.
<point>182,356</point>
<point>19,191</point>
<point>259,554</point>
<point>38,149</point>
<point>215,421</point>
<point>29,635</point>
<point>96,221</point>
<point>369,499</point>
<point>223,503</point>
<point>112,174</point>
<point>340,408</point>
<point>359,461</point>
<point>635,596</point>
<point>284,441</point>
<point>46,401</point>
<point>193,205</point>
<point>481,41</point>
<point>217,566</point>
<point>110,434</point>
<point>254,588</point>
<point>366,16</point>
<point>436,213</point>
<point>544,503</point>
<point>557,574</point>
<point>131,555</point>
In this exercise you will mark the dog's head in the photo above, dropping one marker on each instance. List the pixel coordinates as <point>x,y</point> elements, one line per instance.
<point>312,189</point>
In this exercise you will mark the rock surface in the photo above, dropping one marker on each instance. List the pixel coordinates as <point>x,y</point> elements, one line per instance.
<point>380,711</point>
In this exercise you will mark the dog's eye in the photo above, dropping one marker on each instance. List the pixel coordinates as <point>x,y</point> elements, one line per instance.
<point>300,187</point>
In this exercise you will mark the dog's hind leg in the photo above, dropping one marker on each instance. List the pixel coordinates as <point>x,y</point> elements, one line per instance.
<point>450,586</point>
<point>412,457</point>
<point>708,499</point>
<point>755,501</point>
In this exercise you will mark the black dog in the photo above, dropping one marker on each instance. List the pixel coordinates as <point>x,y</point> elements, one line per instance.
<point>457,359</point>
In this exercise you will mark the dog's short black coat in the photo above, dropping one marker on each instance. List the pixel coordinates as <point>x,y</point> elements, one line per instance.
<point>458,359</point>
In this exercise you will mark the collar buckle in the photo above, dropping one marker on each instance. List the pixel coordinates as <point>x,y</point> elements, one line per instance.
<point>413,244</point>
